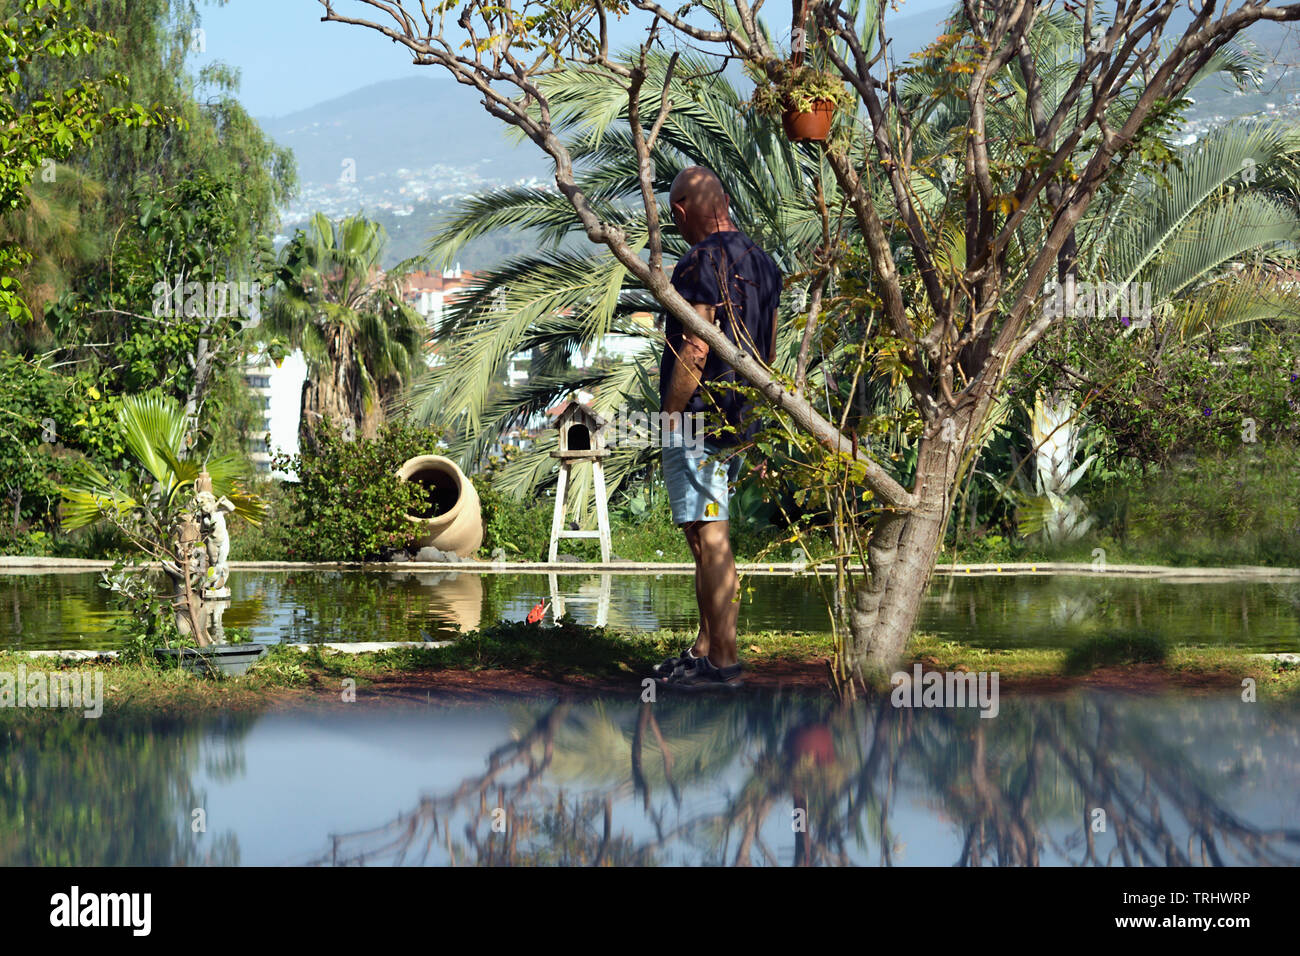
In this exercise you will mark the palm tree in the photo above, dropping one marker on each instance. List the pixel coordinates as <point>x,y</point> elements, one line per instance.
<point>361,342</point>
<point>150,509</point>
<point>1199,239</point>
<point>1182,227</point>
<point>1205,244</point>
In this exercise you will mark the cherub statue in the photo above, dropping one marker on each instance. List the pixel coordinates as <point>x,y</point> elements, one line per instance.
<point>212,523</point>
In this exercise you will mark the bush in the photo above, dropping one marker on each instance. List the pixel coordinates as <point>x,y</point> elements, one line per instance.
<point>521,529</point>
<point>49,424</point>
<point>270,540</point>
<point>1198,398</point>
<point>348,503</point>
<point>1107,649</point>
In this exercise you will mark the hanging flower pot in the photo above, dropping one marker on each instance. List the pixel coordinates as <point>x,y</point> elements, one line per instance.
<point>806,100</point>
<point>812,125</point>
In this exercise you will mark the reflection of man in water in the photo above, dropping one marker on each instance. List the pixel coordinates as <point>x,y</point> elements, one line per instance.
<point>809,752</point>
<point>736,286</point>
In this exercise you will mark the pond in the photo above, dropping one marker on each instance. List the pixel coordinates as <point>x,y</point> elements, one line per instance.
<point>1086,778</point>
<point>64,610</point>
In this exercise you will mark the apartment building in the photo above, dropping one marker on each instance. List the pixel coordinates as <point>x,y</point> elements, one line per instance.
<point>257,376</point>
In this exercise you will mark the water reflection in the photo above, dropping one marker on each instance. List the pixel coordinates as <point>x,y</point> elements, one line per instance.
<point>595,595</point>
<point>796,781</point>
<point>455,598</point>
<point>759,781</point>
<point>77,792</point>
<point>68,610</point>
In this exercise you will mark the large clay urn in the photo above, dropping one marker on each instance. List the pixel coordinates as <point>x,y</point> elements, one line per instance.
<point>453,521</point>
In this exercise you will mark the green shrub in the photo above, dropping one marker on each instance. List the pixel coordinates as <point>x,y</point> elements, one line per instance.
<point>270,540</point>
<point>1202,397</point>
<point>643,528</point>
<point>348,503</point>
<point>1107,649</point>
<point>49,424</point>
<point>521,529</point>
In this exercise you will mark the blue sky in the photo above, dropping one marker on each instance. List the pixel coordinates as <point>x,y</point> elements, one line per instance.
<point>289,60</point>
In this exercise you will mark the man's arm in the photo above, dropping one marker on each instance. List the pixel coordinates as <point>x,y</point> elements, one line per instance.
<point>689,366</point>
<point>771,349</point>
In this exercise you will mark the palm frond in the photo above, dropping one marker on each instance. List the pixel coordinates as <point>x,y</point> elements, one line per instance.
<point>150,425</point>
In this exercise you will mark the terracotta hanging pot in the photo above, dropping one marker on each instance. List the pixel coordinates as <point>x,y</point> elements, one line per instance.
<point>813,126</point>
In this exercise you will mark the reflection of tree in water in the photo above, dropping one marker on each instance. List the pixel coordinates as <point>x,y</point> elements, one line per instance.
<point>108,792</point>
<point>718,781</point>
<point>554,829</point>
<point>1289,594</point>
<point>1162,808</point>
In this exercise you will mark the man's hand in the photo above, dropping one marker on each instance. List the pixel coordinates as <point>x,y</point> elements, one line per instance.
<point>688,369</point>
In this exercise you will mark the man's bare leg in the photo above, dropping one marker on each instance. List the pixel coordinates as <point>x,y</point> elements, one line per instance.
<point>715,589</point>
<point>701,646</point>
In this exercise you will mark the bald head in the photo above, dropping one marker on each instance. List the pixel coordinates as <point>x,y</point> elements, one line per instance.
<point>700,205</point>
<point>700,187</point>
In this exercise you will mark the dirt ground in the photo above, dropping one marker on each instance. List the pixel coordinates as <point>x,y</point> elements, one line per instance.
<point>449,687</point>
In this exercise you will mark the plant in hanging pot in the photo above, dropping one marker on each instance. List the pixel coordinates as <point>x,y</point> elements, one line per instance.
<point>805,98</point>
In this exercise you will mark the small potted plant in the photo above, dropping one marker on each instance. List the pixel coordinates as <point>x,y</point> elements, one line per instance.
<point>805,98</point>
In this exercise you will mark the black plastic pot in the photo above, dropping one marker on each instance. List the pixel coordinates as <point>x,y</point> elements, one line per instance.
<point>227,659</point>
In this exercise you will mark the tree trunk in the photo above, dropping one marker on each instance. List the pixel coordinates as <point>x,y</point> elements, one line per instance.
<point>901,554</point>
<point>332,392</point>
<point>186,605</point>
<point>388,391</point>
<point>201,361</point>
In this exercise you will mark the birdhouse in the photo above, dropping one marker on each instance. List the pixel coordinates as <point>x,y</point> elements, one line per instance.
<point>582,432</point>
<point>582,438</point>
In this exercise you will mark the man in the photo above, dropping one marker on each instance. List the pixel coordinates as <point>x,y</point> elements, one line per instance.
<point>733,284</point>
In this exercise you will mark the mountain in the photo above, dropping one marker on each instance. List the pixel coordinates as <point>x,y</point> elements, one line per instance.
<point>411,123</point>
<point>429,121</point>
<point>406,150</point>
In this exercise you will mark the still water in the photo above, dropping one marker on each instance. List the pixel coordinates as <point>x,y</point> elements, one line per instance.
<point>70,611</point>
<point>1199,781</point>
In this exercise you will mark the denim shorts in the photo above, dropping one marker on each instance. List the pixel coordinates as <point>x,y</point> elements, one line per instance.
<point>698,482</point>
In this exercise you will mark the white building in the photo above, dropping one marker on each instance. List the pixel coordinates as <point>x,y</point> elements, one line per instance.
<point>430,293</point>
<point>257,376</point>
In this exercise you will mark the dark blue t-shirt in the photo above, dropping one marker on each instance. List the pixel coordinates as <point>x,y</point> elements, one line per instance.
<point>728,271</point>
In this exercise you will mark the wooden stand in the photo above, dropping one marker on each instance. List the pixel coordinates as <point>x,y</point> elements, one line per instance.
<point>558,530</point>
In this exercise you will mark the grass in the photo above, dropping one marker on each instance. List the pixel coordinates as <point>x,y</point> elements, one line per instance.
<point>1021,662</point>
<point>567,650</point>
<point>574,651</point>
